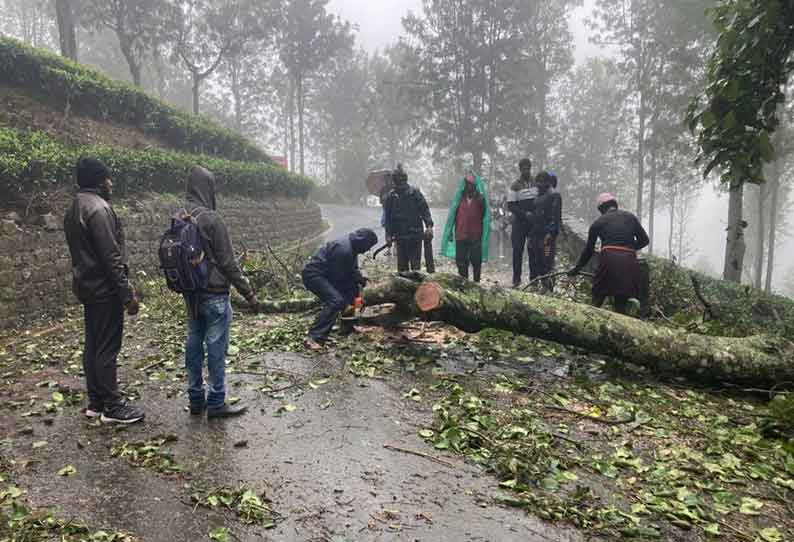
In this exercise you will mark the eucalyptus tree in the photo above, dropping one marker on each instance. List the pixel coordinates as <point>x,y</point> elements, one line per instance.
<point>139,26</point>
<point>737,113</point>
<point>309,40</point>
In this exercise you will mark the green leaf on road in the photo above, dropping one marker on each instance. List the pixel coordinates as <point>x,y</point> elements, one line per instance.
<point>221,534</point>
<point>68,470</point>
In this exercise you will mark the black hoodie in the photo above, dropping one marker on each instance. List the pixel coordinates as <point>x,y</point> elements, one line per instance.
<point>337,260</point>
<point>224,269</point>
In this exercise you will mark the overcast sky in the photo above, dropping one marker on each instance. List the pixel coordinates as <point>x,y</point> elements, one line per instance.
<point>379,22</point>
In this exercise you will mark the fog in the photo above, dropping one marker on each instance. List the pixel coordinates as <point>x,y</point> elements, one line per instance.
<point>379,26</point>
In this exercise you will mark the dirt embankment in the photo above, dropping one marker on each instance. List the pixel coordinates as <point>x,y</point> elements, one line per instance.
<point>24,112</point>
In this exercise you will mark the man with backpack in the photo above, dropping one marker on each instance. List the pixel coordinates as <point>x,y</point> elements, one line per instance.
<point>407,220</point>
<point>100,281</point>
<point>209,309</point>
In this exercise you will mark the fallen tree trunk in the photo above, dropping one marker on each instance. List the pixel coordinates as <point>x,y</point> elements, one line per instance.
<point>759,361</point>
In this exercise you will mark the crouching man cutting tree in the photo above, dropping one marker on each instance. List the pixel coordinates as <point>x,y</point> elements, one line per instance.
<point>333,275</point>
<point>618,273</point>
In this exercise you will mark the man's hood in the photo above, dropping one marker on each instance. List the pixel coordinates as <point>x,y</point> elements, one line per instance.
<point>362,240</point>
<point>201,188</point>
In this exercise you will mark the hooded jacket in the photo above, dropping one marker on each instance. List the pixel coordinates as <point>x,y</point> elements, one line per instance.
<point>99,255</point>
<point>448,247</point>
<point>223,267</point>
<point>337,260</point>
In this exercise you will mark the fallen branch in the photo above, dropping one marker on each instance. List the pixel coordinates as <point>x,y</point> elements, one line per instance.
<point>420,454</point>
<point>553,276</point>
<point>708,308</point>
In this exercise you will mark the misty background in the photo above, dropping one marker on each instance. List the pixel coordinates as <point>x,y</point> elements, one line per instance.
<point>378,25</point>
<point>595,90</point>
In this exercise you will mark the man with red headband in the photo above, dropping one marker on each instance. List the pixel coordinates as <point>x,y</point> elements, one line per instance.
<point>618,273</point>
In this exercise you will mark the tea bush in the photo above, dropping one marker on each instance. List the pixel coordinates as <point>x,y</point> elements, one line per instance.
<point>32,161</point>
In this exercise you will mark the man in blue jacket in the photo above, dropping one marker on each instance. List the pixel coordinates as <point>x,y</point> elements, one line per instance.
<point>332,274</point>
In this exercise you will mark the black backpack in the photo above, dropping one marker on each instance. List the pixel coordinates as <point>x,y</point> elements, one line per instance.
<point>182,257</point>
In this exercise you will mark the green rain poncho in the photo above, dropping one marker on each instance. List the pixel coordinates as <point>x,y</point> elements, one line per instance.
<point>448,241</point>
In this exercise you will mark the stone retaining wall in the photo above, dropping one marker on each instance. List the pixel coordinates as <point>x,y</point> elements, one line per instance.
<point>35,275</point>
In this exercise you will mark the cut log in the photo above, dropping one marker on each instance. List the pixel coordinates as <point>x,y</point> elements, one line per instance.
<point>758,361</point>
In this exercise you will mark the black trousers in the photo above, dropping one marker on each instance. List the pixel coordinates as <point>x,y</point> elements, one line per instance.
<point>520,238</point>
<point>409,255</point>
<point>104,329</point>
<point>334,302</point>
<point>469,253</point>
<point>542,259</point>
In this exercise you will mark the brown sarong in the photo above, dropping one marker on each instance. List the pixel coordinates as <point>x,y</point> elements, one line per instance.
<point>618,273</point>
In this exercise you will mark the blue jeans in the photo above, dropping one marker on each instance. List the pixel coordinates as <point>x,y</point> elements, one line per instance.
<point>210,328</point>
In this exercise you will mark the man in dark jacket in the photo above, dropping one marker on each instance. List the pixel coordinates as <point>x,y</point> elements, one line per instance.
<point>543,236</point>
<point>332,274</point>
<point>100,280</point>
<point>618,274</point>
<point>521,203</point>
<point>408,221</point>
<point>210,320</point>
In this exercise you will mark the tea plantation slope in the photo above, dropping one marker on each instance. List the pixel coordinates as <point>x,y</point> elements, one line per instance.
<point>82,90</point>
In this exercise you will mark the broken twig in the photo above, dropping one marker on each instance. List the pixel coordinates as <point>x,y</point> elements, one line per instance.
<point>420,454</point>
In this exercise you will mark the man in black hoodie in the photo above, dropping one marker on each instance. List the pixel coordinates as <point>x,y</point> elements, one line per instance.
<point>407,220</point>
<point>100,281</point>
<point>332,274</point>
<point>210,319</point>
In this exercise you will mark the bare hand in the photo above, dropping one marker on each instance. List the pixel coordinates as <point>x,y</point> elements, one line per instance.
<point>134,305</point>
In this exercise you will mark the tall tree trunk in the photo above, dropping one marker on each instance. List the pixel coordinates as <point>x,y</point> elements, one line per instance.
<point>735,246</point>
<point>291,112</point>
<point>301,149</point>
<point>67,32</point>
<point>237,94</point>
<point>671,236</point>
<point>760,237</point>
<point>542,155</point>
<point>641,157</point>
<point>125,43</point>
<point>773,212</point>
<point>477,161</point>
<point>652,202</point>
<point>196,88</point>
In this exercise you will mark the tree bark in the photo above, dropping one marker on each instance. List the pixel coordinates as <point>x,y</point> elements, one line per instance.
<point>196,89</point>
<point>671,235</point>
<point>735,246</point>
<point>760,237</point>
<point>641,155</point>
<point>652,203</point>
<point>125,43</point>
<point>67,32</point>
<point>291,124</point>
<point>770,261</point>
<point>299,87</point>
<point>753,361</point>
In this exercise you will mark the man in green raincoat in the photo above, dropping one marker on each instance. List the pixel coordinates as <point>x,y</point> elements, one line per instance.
<point>468,228</point>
